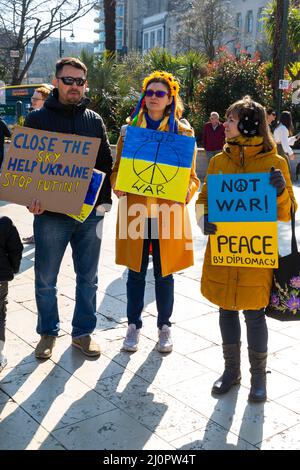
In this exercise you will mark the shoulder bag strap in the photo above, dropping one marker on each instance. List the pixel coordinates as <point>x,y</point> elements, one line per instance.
<point>294,245</point>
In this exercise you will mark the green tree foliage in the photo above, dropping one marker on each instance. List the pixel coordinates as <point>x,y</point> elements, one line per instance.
<point>293,33</point>
<point>229,79</point>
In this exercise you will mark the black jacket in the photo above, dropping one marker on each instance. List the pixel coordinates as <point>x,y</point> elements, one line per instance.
<point>4,132</point>
<point>10,249</point>
<point>76,119</point>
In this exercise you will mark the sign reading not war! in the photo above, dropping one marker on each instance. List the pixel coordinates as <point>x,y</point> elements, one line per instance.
<point>244,207</point>
<point>156,164</point>
<point>55,168</point>
<point>245,197</point>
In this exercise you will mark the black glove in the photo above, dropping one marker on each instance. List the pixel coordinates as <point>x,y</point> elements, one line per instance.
<point>277,180</point>
<point>207,228</point>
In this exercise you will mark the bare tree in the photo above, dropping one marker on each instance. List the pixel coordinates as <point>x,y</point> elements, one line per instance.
<point>30,22</point>
<point>110,25</point>
<point>203,24</point>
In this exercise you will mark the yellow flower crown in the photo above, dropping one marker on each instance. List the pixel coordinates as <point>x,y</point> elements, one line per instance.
<point>168,77</point>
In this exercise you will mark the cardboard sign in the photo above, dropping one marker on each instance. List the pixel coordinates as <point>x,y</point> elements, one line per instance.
<point>240,198</point>
<point>53,167</point>
<point>156,164</point>
<point>242,244</point>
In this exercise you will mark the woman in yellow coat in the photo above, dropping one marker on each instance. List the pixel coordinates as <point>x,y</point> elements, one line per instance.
<point>145,221</point>
<point>249,148</point>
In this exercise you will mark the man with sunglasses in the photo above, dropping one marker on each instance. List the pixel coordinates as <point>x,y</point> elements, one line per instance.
<point>66,111</point>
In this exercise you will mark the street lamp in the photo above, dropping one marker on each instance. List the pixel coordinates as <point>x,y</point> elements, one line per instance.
<point>61,51</point>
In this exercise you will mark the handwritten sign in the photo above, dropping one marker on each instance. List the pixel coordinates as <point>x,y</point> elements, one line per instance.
<point>156,164</point>
<point>55,168</point>
<point>240,198</point>
<point>242,244</point>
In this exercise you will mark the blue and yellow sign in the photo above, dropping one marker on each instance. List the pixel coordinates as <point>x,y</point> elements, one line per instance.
<point>241,198</point>
<point>245,211</point>
<point>243,244</point>
<point>156,164</point>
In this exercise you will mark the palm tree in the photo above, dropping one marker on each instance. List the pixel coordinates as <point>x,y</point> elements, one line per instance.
<point>110,25</point>
<point>273,24</point>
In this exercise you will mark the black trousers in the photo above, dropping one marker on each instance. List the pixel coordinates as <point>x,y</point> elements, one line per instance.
<point>257,331</point>
<point>3,302</point>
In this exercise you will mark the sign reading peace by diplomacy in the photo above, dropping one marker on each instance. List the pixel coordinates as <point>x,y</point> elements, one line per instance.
<point>244,207</point>
<point>156,164</point>
<point>53,167</point>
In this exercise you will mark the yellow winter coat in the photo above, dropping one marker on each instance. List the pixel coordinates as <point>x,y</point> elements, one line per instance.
<point>175,253</point>
<point>236,288</point>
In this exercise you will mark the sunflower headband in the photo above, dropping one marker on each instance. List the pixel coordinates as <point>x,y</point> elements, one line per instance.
<point>174,87</point>
<point>168,77</point>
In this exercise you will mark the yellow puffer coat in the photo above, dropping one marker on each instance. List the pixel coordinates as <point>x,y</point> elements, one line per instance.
<point>175,253</point>
<point>236,288</point>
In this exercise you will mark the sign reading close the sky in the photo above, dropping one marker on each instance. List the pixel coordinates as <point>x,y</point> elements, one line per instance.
<point>247,197</point>
<point>156,164</point>
<point>244,207</point>
<point>55,168</point>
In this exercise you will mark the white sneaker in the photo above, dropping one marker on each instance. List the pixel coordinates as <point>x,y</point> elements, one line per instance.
<point>164,344</point>
<point>132,338</point>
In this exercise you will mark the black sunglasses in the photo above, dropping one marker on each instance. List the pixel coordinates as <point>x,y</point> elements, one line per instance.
<point>70,80</point>
<point>158,93</point>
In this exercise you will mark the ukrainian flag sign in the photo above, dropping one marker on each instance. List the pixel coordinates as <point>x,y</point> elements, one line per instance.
<point>156,164</point>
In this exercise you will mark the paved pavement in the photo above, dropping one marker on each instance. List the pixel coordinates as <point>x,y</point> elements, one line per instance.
<point>142,400</point>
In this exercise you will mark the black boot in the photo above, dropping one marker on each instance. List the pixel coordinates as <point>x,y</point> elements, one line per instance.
<point>232,374</point>
<point>258,362</point>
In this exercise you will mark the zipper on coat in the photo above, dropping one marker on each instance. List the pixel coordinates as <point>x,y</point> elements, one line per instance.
<point>242,156</point>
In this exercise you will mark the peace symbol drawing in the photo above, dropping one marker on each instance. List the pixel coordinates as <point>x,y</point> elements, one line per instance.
<point>155,163</point>
<point>155,173</point>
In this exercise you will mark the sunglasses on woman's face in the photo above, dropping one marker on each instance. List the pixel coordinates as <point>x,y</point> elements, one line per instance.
<point>70,80</point>
<point>158,93</point>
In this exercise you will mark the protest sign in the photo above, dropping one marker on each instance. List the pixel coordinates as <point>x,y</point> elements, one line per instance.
<point>243,244</point>
<point>53,167</point>
<point>91,197</point>
<point>244,207</point>
<point>241,198</point>
<point>156,164</point>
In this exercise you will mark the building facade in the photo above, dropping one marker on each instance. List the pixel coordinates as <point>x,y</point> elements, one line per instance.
<point>142,25</point>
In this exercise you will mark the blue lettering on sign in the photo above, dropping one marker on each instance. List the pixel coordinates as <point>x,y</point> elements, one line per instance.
<point>247,197</point>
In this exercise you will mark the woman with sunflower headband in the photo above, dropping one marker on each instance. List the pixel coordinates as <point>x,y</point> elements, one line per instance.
<point>160,108</point>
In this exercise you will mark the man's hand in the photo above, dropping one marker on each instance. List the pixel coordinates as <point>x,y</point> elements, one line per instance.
<point>35,207</point>
<point>277,180</point>
<point>207,228</point>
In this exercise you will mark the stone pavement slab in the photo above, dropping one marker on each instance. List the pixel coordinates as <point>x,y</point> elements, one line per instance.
<point>143,400</point>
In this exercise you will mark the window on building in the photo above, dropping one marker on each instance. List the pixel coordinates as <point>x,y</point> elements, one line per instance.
<point>248,49</point>
<point>146,41</point>
<point>238,20</point>
<point>152,39</point>
<point>120,10</point>
<point>249,22</point>
<point>159,37</point>
<point>259,20</point>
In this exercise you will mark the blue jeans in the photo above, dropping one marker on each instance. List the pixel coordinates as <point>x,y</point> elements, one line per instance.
<point>136,282</point>
<point>257,331</point>
<point>52,233</point>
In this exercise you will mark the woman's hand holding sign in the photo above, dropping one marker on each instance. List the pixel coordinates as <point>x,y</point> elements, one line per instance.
<point>277,180</point>
<point>118,193</point>
<point>207,228</point>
